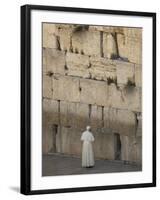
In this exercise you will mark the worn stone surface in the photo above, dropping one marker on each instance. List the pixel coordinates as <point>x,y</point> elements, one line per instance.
<point>131,149</point>
<point>125,73</point>
<point>70,138</point>
<point>54,61</point>
<point>65,35</point>
<point>138,75</point>
<point>51,111</point>
<point>49,36</point>
<point>66,88</point>
<point>120,121</point>
<point>93,92</point>
<point>102,69</point>
<point>104,146</point>
<point>47,86</point>
<point>77,65</point>
<point>110,49</point>
<point>130,45</point>
<point>96,116</point>
<point>86,42</point>
<point>126,98</point>
<point>74,114</point>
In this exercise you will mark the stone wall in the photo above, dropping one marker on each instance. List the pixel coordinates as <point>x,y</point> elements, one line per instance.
<point>92,76</point>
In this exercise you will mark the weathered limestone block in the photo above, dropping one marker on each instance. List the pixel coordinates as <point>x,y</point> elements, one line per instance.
<point>139,150</point>
<point>130,45</point>
<point>104,146</point>
<point>49,37</point>
<point>133,32</point>
<point>77,60</point>
<point>50,138</point>
<point>125,72</point>
<point>107,29</point>
<point>138,75</point>
<point>87,42</point>
<point>65,35</point>
<point>96,118</point>
<point>67,113</point>
<point>51,111</point>
<point>109,46</point>
<point>47,86</point>
<point>54,61</point>
<point>77,65</point>
<point>131,148</point>
<point>126,98</point>
<point>66,88</point>
<point>82,115</point>
<point>46,138</point>
<point>70,141</point>
<point>120,121</point>
<point>74,114</point>
<point>102,68</point>
<point>94,92</point>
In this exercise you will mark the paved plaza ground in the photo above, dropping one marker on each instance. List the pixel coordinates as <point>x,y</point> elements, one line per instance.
<point>55,164</point>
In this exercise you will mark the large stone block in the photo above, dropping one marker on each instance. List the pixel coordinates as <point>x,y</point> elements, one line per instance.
<point>125,73</point>
<point>77,60</point>
<point>94,92</point>
<point>77,65</point>
<point>107,29</point>
<point>53,61</point>
<point>131,149</point>
<point>50,111</point>
<point>50,138</point>
<point>66,88</point>
<point>47,86</point>
<point>104,146</point>
<point>125,98</point>
<point>96,116</point>
<point>74,114</point>
<point>120,121</point>
<point>70,141</point>
<point>138,75</point>
<point>87,42</point>
<point>65,34</point>
<point>50,39</point>
<point>130,45</point>
<point>46,138</point>
<point>109,46</point>
<point>102,68</point>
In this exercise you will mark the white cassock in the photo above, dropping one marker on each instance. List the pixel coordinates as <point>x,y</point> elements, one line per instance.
<point>87,150</point>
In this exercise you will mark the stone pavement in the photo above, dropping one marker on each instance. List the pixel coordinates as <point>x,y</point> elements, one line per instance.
<point>55,164</point>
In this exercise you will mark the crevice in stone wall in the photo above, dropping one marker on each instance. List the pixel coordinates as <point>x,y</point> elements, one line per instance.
<point>54,129</point>
<point>49,73</point>
<point>71,46</point>
<point>59,111</point>
<point>101,44</point>
<point>117,146</point>
<point>58,43</point>
<point>80,88</point>
<point>116,42</point>
<point>89,110</point>
<point>102,116</point>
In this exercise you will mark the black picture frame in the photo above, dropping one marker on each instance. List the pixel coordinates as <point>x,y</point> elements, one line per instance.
<point>26,98</point>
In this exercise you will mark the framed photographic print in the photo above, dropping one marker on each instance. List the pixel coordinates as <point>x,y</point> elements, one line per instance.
<point>88,99</point>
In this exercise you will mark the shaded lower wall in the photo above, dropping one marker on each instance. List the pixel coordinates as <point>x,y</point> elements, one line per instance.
<point>117,132</point>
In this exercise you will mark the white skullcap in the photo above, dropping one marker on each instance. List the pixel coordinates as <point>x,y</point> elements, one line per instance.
<point>88,128</point>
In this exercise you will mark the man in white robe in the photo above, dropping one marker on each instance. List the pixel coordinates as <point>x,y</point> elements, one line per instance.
<point>87,149</point>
